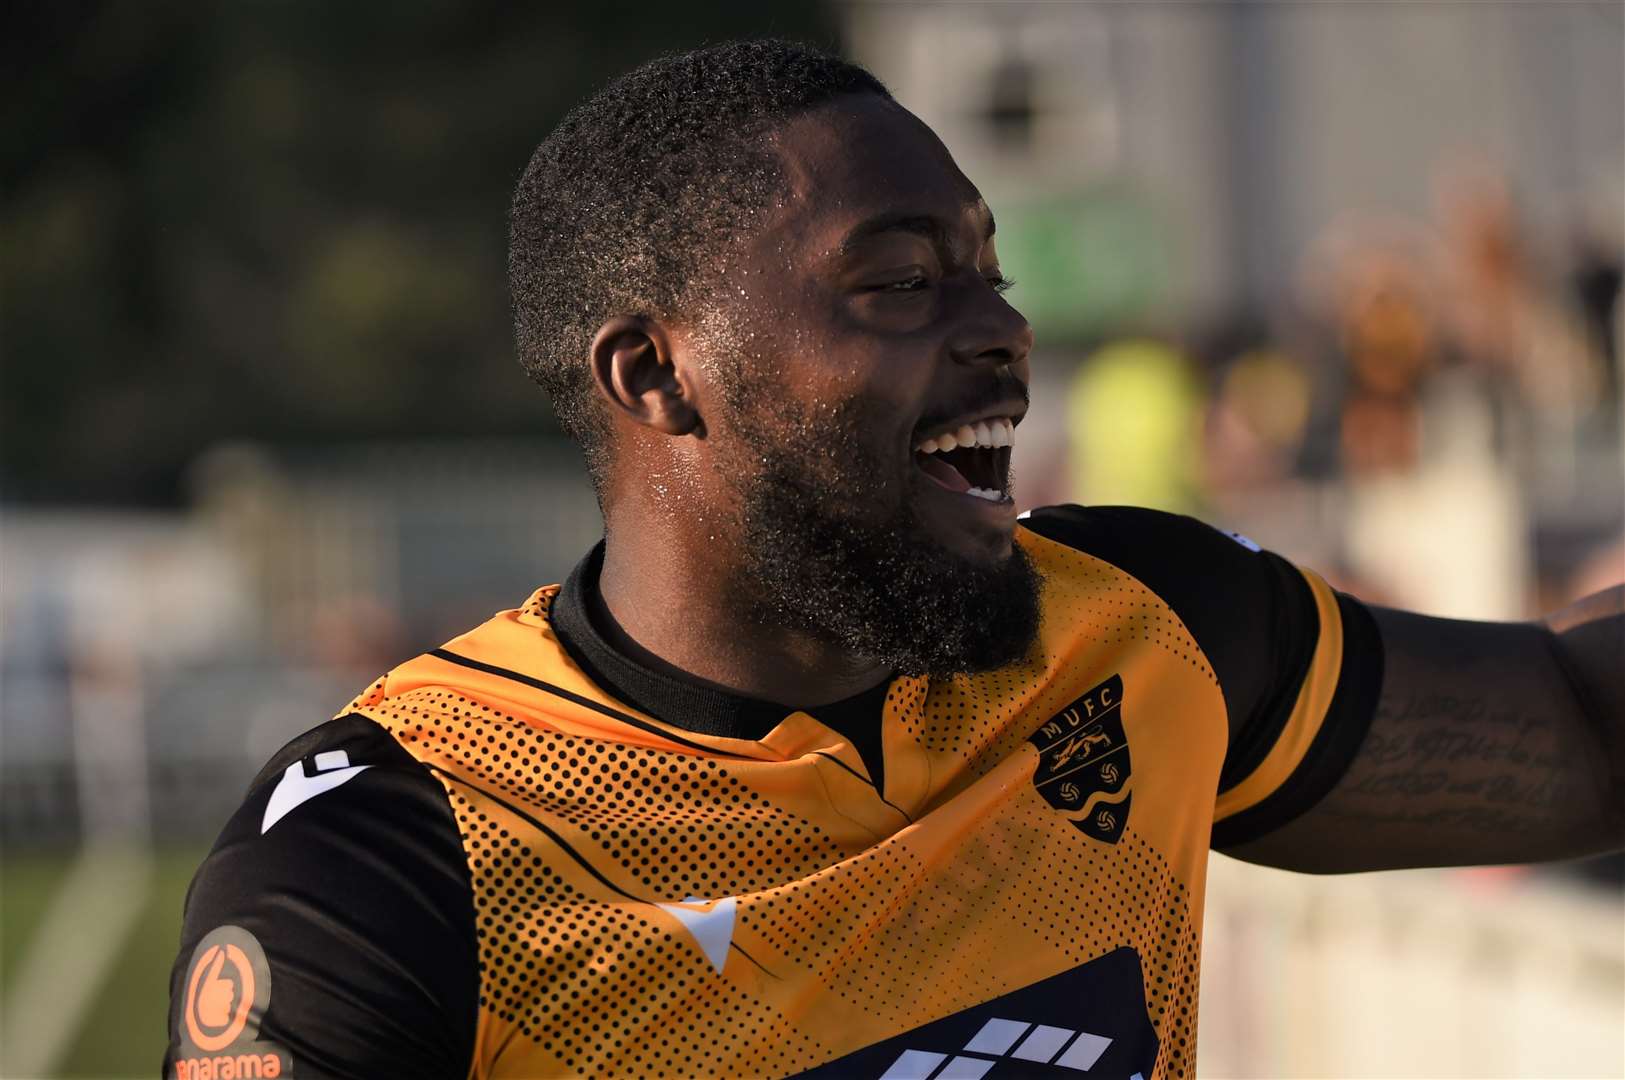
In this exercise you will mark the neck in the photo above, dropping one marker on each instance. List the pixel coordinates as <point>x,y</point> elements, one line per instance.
<point>673,605</point>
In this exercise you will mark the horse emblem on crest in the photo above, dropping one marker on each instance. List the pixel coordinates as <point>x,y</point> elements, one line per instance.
<point>1082,754</point>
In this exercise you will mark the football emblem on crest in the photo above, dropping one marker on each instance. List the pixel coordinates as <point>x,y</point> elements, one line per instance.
<point>1083,762</point>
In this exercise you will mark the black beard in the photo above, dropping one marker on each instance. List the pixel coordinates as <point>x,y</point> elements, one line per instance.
<point>880,586</point>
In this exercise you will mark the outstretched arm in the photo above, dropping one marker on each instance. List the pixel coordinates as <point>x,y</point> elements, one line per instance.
<point>1492,743</point>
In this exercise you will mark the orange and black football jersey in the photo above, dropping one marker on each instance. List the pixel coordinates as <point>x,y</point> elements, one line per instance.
<point>524,854</point>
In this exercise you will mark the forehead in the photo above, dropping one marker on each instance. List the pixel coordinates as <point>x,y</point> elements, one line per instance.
<point>862,156</point>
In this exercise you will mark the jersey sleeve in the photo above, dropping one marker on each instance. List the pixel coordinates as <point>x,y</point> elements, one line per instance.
<point>330,932</point>
<point>1298,663</point>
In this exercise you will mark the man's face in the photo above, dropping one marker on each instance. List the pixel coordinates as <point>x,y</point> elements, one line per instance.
<point>856,333</point>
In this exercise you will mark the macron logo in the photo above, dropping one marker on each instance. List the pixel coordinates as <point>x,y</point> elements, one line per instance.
<point>710,923</point>
<point>333,768</point>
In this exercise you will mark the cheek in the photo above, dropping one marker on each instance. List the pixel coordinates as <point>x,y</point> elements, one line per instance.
<point>895,316</point>
<point>889,385</point>
<point>891,344</point>
<point>833,382</point>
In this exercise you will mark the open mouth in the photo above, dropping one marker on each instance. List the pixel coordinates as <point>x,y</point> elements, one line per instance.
<point>973,459</point>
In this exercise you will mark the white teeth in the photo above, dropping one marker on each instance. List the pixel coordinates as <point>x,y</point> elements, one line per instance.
<point>992,434</point>
<point>984,493</point>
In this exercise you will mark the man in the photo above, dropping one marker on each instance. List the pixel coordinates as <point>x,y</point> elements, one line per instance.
<point>822,762</point>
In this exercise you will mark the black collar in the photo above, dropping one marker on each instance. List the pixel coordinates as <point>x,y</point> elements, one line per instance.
<point>578,615</point>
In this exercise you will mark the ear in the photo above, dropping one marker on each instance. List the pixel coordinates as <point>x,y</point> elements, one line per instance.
<point>632,364</point>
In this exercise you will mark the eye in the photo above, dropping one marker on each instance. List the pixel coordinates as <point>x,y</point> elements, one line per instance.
<point>912,283</point>
<point>1001,283</point>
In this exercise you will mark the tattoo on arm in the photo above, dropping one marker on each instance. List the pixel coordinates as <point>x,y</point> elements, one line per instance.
<point>1491,743</point>
<point>1466,765</point>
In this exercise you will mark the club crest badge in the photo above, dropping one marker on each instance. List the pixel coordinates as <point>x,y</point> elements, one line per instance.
<point>1083,762</point>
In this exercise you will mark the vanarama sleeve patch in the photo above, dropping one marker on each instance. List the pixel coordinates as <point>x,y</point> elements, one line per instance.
<point>228,988</point>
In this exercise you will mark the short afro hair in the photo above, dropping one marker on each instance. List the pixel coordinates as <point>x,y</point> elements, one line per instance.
<point>620,203</point>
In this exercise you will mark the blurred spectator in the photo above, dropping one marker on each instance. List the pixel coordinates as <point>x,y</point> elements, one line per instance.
<point>1134,416</point>
<point>1595,279</point>
<point>1508,320</point>
<point>1257,421</point>
<point>1390,345</point>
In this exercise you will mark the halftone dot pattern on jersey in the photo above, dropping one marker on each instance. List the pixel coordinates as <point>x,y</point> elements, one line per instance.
<point>678,825</point>
<point>540,602</point>
<point>907,943</point>
<point>900,940</point>
<point>905,704</point>
<point>602,987</point>
<point>372,695</point>
<point>826,924</point>
<point>1105,605</point>
<point>963,716</point>
<point>1103,896</point>
<point>662,826</point>
<point>703,836</point>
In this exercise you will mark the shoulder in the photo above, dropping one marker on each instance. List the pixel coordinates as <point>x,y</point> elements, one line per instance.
<point>1223,586</point>
<point>1252,613</point>
<point>1298,664</point>
<point>1137,539</point>
<point>344,867</point>
<point>339,784</point>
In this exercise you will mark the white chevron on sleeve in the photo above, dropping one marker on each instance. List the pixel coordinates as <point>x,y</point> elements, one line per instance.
<point>295,787</point>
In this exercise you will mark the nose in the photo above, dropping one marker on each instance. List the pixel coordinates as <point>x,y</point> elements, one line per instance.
<point>992,333</point>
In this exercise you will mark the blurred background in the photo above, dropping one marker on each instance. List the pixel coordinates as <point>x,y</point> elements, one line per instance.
<point>1343,277</point>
